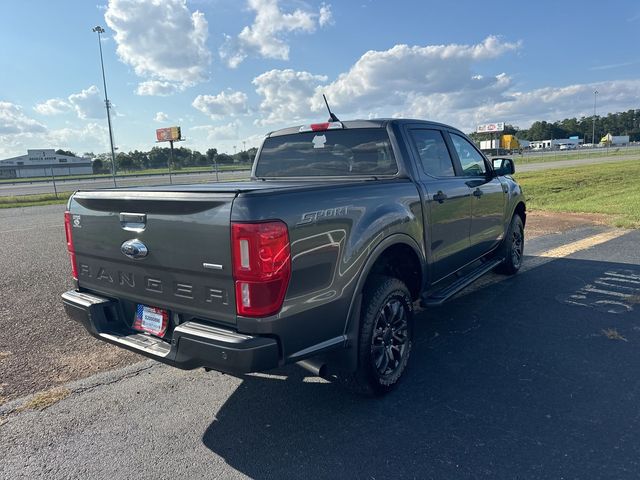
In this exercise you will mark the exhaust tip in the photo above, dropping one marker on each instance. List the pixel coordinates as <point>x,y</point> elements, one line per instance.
<point>317,368</point>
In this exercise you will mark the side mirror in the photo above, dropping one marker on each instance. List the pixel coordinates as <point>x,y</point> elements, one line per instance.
<point>503,166</point>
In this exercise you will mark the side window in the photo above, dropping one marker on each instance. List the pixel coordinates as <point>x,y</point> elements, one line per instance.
<point>433,152</point>
<point>472,162</point>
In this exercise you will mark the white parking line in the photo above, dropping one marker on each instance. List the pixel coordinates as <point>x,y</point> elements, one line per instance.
<point>589,288</point>
<point>548,256</point>
<point>625,277</point>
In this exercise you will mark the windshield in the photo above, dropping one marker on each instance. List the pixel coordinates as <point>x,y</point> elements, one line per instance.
<point>331,153</point>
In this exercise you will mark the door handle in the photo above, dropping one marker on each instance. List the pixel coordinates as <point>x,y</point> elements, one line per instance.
<point>133,222</point>
<point>440,196</point>
<point>477,193</point>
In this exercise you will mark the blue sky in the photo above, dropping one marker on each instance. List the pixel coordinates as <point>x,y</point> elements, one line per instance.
<point>229,71</point>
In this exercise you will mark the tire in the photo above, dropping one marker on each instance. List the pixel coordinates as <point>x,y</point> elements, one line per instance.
<point>512,249</point>
<point>385,339</point>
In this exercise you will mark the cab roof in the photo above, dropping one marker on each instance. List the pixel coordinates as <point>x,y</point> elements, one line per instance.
<point>370,123</point>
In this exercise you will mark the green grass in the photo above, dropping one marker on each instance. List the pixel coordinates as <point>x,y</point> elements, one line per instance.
<point>149,171</point>
<point>33,200</point>
<point>612,189</point>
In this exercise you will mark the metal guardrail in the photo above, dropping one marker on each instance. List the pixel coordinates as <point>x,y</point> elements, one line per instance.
<point>62,179</point>
<point>629,149</point>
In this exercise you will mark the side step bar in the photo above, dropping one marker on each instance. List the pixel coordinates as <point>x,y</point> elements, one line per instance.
<point>440,296</point>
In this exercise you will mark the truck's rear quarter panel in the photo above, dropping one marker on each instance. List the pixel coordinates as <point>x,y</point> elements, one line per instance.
<point>333,228</point>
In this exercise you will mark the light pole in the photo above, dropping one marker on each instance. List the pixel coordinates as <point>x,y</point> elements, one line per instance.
<point>98,29</point>
<point>53,177</point>
<point>593,132</point>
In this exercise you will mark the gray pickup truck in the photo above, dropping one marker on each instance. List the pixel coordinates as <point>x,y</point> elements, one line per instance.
<point>317,260</point>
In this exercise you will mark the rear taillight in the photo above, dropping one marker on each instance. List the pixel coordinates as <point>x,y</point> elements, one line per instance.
<point>68,229</point>
<point>261,267</point>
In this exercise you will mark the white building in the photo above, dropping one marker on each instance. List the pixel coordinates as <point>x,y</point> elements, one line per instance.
<point>490,144</point>
<point>41,163</point>
<point>556,143</point>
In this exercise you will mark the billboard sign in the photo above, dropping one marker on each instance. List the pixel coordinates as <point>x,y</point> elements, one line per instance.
<point>490,127</point>
<point>170,134</point>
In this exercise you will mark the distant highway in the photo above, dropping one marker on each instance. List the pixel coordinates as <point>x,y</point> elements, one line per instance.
<point>531,167</point>
<point>107,182</point>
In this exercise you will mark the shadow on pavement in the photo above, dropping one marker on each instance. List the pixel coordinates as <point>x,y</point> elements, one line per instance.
<point>511,381</point>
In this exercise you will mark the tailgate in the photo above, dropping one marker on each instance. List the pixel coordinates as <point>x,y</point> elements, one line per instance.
<point>187,266</point>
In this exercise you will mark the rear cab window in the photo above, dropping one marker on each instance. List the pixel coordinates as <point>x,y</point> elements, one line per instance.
<point>330,153</point>
<point>433,153</point>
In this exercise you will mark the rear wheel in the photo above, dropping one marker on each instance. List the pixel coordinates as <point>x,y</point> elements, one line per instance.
<point>386,332</point>
<point>513,247</point>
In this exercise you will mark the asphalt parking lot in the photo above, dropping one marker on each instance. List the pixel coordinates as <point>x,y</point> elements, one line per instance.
<point>533,376</point>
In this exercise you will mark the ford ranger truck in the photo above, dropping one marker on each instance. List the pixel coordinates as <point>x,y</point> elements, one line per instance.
<point>317,260</point>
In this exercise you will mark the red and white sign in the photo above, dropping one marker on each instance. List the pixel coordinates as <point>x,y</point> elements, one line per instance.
<point>490,127</point>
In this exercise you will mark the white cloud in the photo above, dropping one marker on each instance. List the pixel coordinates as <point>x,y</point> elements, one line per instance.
<point>162,40</point>
<point>326,16</point>
<point>267,35</point>
<point>287,95</point>
<point>88,103</point>
<point>161,117</point>
<point>439,82</point>
<point>53,106</point>
<point>90,137</point>
<point>390,77</point>
<point>19,133</point>
<point>157,88</point>
<point>13,121</point>
<point>549,103</point>
<point>226,103</point>
<point>229,131</point>
<point>382,82</point>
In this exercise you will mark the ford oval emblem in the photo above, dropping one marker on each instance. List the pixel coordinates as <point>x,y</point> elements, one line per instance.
<point>134,249</point>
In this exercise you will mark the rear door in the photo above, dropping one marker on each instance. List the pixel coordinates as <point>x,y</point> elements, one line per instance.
<point>187,266</point>
<point>446,202</point>
<point>487,196</point>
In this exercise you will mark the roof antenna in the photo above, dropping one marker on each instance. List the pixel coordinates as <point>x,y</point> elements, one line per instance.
<point>332,117</point>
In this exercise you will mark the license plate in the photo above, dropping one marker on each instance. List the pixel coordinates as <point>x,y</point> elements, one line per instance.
<point>151,320</point>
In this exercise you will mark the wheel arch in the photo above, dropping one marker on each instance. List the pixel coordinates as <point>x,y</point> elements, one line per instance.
<point>388,248</point>
<point>520,209</point>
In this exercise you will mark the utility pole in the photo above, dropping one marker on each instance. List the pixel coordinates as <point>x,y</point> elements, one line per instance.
<point>170,161</point>
<point>593,132</point>
<point>53,177</point>
<point>99,30</point>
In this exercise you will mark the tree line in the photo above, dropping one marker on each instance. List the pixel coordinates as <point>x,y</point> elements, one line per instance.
<point>159,157</point>
<point>620,123</point>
